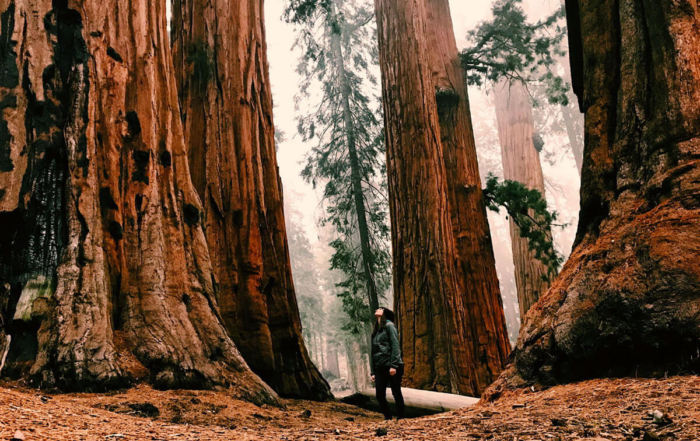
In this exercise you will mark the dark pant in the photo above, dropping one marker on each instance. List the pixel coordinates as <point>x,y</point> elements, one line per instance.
<point>382,379</point>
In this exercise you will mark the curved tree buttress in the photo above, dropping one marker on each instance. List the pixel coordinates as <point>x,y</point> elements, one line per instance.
<point>102,241</point>
<point>627,301</point>
<point>221,59</point>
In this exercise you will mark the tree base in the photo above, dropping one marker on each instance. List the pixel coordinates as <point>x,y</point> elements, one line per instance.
<point>625,304</point>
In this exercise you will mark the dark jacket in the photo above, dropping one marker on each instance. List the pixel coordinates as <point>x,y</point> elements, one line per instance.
<point>386,351</point>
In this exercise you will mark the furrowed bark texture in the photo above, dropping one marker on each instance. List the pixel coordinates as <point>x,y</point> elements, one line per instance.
<point>483,307</point>
<point>627,300</point>
<point>427,286</point>
<point>102,241</point>
<point>521,162</point>
<point>221,59</point>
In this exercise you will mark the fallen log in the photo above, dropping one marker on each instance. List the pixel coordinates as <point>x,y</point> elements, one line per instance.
<point>418,402</point>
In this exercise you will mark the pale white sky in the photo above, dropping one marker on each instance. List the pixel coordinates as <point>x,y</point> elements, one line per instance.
<point>465,14</point>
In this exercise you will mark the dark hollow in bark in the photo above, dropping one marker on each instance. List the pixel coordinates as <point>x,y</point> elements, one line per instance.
<point>109,283</point>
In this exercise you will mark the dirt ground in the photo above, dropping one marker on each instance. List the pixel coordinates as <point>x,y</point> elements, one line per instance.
<point>621,409</point>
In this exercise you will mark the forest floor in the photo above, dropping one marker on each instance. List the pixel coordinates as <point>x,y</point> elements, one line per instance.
<point>597,410</point>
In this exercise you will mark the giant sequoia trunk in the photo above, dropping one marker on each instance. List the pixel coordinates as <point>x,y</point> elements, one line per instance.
<point>483,307</point>
<point>521,162</point>
<point>102,242</point>
<point>429,294</point>
<point>627,300</point>
<point>221,59</point>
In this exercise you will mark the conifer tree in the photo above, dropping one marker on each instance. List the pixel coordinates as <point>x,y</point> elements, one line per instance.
<point>340,59</point>
<point>626,301</point>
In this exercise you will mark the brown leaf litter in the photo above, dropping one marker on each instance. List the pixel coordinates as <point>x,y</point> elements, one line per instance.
<point>596,410</point>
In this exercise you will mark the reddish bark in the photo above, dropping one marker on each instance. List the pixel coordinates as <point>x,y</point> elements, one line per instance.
<point>226,100</point>
<point>483,308</point>
<point>428,291</point>
<point>521,162</point>
<point>103,244</point>
<point>627,300</point>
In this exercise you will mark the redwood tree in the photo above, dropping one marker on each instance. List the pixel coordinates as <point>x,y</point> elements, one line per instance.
<point>521,163</point>
<point>627,300</point>
<point>221,59</point>
<point>338,58</point>
<point>102,240</point>
<point>428,291</point>
<point>484,312</point>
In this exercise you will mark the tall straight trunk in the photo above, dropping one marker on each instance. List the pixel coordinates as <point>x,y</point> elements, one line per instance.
<point>312,348</point>
<point>429,296</point>
<point>521,162</point>
<point>574,142</point>
<point>356,175</point>
<point>568,116</point>
<point>512,317</point>
<point>627,300</point>
<point>354,359</point>
<point>333,362</point>
<point>322,353</point>
<point>221,54</point>
<point>102,241</point>
<point>358,367</point>
<point>483,306</point>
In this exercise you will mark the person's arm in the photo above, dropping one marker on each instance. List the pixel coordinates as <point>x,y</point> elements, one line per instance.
<point>395,346</point>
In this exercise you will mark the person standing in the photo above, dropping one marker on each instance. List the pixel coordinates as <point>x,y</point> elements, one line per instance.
<point>386,365</point>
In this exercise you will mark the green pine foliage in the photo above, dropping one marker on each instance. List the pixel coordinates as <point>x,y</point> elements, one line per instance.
<point>509,47</point>
<point>528,209</point>
<point>321,23</point>
<point>304,11</point>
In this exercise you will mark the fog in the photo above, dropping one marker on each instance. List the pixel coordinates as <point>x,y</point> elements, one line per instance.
<point>466,14</point>
<point>559,168</point>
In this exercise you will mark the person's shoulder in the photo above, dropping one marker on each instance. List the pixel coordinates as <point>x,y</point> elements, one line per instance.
<point>390,324</point>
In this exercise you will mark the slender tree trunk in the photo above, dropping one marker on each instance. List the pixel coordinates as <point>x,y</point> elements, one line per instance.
<point>102,244</point>
<point>221,54</point>
<point>429,294</point>
<point>511,312</point>
<point>627,300</point>
<point>322,353</point>
<point>353,378</point>
<point>356,175</point>
<point>568,116</point>
<point>574,142</point>
<point>333,363</point>
<point>483,307</point>
<point>521,162</point>
<point>363,370</point>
